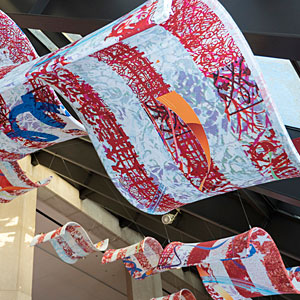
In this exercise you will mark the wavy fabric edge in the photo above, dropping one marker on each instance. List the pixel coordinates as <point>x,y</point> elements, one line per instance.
<point>71,242</point>
<point>244,266</point>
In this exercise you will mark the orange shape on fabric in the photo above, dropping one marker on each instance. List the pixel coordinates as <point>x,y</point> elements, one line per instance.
<point>182,109</point>
<point>217,287</point>
<point>5,185</point>
<point>13,188</point>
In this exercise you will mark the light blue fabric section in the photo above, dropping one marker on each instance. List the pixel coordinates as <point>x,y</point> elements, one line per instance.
<point>178,69</point>
<point>137,125</point>
<point>284,85</point>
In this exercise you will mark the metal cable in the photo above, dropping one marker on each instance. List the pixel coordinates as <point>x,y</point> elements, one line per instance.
<point>245,213</point>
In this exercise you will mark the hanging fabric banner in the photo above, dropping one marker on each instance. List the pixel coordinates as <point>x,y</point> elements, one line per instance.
<point>172,99</point>
<point>141,259</point>
<point>71,242</point>
<point>244,266</point>
<point>31,117</point>
<point>184,294</point>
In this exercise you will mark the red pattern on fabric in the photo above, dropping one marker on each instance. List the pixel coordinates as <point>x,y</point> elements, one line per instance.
<point>106,128</point>
<point>294,274</point>
<point>9,156</point>
<point>213,294</point>
<point>264,274</point>
<point>79,239</point>
<point>202,34</point>
<point>121,254</point>
<point>45,94</point>
<point>6,69</point>
<point>273,263</point>
<point>41,238</point>
<point>240,94</point>
<point>66,248</point>
<point>260,243</point>
<point>141,76</point>
<point>3,181</point>
<point>108,256</point>
<point>4,124</point>
<point>134,22</point>
<point>139,259</point>
<point>167,256</point>
<point>154,245</point>
<point>143,261</point>
<point>22,176</point>
<point>263,154</point>
<point>235,269</point>
<point>56,233</point>
<point>199,254</point>
<point>242,99</point>
<point>181,295</point>
<point>16,46</point>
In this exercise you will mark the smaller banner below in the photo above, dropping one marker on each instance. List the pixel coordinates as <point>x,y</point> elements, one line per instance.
<point>241,267</point>
<point>184,294</point>
<point>140,259</point>
<point>71,242</point>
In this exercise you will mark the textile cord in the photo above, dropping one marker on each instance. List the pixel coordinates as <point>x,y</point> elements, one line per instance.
<point>245,213</point>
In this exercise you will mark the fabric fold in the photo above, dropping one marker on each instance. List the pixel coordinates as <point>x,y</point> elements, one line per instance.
<point>14,182</point>
<point>244,266</point>
<point>71,242</point>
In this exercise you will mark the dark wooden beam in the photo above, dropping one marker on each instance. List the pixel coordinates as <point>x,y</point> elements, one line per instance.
<point>274,44</point>
<point>282,45</point>
<point>58,24</point>
<point>261,189</point>
<point>39,6</point>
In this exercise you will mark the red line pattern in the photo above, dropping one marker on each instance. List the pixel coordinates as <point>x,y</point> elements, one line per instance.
<point>79,239</point>
<point>139,259</point>
<point>141,76</point>
<point>273,263</point>
<point>268,155</point>
<point>264,274</point>
<point>203,35</point>
<point>243,107</point>
<point>16,46</point>
<point>241,96</point>
<point>121,152</point>
<point>134,22</point>
<point>238,244</point>
<point>66,248</point>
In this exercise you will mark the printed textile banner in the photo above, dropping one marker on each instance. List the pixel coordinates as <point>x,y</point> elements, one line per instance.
<point>244,266</point>
<point>31,116</point>
<point>71,242</point>
<point>184,294</point>
<point>172,99</point>
<point>141,259</point>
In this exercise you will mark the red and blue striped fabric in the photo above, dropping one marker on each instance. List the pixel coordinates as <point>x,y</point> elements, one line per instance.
<point>244,266</point>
